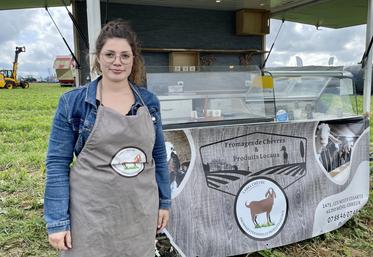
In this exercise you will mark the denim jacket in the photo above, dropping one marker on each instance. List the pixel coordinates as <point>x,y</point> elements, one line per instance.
<point>72,124</point>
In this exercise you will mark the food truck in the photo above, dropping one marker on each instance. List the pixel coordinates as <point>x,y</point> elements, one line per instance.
<point>258,157</point>
<point>254,167</point>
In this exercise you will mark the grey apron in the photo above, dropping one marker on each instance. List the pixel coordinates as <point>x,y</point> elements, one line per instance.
<point>113,191</point>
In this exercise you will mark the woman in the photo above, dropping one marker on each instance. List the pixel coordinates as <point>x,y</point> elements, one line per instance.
<point>117,194</point>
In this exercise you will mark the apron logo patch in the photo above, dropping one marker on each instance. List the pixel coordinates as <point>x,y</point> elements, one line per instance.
<point>129,162</point>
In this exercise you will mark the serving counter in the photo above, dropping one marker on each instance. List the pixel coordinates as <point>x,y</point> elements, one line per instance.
<point>255,165</point>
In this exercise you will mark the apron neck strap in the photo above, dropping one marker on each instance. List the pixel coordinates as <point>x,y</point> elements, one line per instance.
<point>137,93</point>
<point>131,86</point>
<point>100,92</point>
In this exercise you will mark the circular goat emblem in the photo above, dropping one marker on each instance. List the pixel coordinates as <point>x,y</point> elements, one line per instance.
<point>261,208</point>
<point>129,162</point>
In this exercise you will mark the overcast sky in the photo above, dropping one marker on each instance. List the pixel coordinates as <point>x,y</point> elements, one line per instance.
<point>314,46</point>
<point>34,29</point>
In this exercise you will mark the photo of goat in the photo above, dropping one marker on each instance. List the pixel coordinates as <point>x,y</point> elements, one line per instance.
<point>334,143</point>
<point>262,207</point>
<point>178,158</point>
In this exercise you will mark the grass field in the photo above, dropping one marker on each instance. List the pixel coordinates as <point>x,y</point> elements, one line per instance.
<point>25,119</point>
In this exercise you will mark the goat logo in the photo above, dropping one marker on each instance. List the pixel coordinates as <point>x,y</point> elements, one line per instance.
<point>261,218</point>
<point>129,162</point>
<point>262,206</point>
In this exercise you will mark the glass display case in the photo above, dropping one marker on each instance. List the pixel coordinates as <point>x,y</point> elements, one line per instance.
<point>313,94</point>
<point>238,95</point>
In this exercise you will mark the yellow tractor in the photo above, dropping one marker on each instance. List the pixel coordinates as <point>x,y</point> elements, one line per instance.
<point>8,78</point>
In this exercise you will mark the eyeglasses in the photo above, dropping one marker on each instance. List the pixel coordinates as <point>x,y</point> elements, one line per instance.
<point>110,57</point>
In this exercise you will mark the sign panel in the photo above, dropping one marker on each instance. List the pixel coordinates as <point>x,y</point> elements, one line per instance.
<point>243,188</point>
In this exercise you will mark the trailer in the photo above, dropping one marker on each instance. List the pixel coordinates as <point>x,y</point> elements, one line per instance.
<point>64,66</point>
<point>253,164</point>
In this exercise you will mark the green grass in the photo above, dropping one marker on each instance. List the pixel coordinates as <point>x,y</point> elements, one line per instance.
<point>268,224</point>
<point>354,239</point>
<point>25,120</point>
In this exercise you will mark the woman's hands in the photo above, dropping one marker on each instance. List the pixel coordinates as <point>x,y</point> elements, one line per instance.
<point>60,240</point>
<point>163,216</point>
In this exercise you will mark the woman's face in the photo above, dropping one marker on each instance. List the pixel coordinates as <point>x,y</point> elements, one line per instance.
<point>116,59</point>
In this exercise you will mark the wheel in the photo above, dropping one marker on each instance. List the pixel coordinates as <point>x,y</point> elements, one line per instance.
<point>25,84</point>
<point>8,85</point>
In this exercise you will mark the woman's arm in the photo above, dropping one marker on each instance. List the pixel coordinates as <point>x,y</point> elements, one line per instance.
<point>160,158</point>
<point>59,157</point>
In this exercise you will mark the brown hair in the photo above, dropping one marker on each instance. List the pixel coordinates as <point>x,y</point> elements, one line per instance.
<point>121,29</point>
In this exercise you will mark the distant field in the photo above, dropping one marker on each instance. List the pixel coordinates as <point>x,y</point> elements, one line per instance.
<point>25,119</point>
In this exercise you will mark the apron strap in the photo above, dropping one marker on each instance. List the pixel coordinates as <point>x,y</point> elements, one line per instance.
<point>99,84</point>
<point>138,94</point>
<point>132,87</point>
